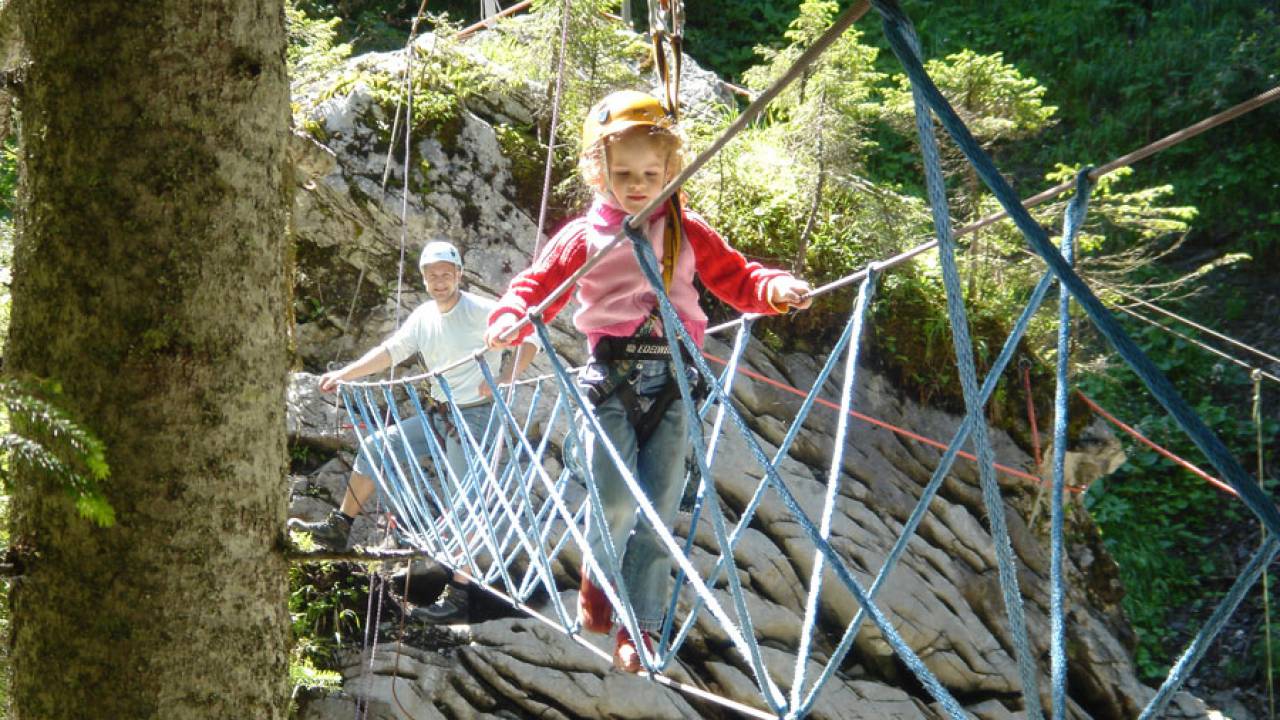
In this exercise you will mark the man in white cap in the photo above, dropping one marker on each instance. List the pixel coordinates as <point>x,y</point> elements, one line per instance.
<point>443,330</point>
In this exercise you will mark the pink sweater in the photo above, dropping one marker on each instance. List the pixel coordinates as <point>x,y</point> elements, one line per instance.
<point>614,297</point>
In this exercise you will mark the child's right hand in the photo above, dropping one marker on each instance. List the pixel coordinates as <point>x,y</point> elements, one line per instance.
<point>493,334</point>
<point>788,292</point>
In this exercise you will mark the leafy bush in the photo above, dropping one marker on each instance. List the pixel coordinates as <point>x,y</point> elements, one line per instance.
<point>327,602</point>
<point>313,49</point>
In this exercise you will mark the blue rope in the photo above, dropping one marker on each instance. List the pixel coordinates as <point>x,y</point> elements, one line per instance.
<point>974,409</point>
<point>861,306</point>
<point>1075,216</point>
<point>935,482</point>
<point>468,490</point>
<point>672,325</point>
<point>537,555</point>
<point>1254,497</point>
<point>1204,639</point>
<point>667,649</point>
<point>783,449</point>
<point>762,487</point>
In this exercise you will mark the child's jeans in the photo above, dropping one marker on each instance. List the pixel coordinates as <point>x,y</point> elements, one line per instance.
<point>659,468</point>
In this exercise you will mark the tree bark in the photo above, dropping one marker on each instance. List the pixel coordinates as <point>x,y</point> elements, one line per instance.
<point>150,280</point>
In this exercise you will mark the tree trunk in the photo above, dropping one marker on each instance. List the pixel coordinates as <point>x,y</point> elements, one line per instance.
<point>150,281</point>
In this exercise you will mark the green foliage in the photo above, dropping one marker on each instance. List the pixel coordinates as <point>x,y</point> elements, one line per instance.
<point>726,36</point>
<point>43,437</point>
<point>326,602</point>
<point>1126,73</point>
<point>999,105</point>
<point>993,98</point>
<point>1119,218</point>
<point>600,56</point>
<point>793,191</point>
<point>313,49</point>
<point>304,674</point>
<point>1156,519</point>
<point>370,25</point>
<point>912,330</point>
<point>8,193</point>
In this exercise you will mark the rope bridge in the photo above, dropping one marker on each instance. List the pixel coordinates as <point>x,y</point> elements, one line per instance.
<point>521,505</point>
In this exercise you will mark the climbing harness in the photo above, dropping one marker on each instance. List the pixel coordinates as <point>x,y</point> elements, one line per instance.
<point>621,365</point>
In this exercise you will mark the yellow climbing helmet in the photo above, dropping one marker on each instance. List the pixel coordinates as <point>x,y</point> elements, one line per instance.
<point>619,111</point>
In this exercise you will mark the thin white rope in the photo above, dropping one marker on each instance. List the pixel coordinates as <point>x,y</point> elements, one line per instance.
<point>1197,343</point>
<point>1202,328</point>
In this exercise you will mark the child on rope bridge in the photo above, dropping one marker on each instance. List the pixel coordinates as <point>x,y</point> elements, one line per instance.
<point>630,151</point>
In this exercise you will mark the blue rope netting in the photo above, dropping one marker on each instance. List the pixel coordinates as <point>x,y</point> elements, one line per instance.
<point>974,409</point>
<point>517,512</point>
<point>1075,215</point>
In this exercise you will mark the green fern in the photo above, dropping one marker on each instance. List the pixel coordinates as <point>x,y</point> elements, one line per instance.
<point>43,437</point>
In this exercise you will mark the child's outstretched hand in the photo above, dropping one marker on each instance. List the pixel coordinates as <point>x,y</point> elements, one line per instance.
<point>788,292</point>
<point>493,334</point>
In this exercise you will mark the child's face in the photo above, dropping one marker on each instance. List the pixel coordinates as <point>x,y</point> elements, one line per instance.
<point>637,170</point>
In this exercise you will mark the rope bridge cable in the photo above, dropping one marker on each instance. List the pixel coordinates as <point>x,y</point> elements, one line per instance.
<point>1057,585</point>
<point>1132,432</point>
<point>1198,326</point>
<point>935,185</point>
<point>1209,348</point>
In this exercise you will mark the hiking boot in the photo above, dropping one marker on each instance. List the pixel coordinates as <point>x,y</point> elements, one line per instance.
<point>330,533</point>
<point>626,657</point>
<point>420,581</point>
<point>594,611</point>
<point>452,607</point>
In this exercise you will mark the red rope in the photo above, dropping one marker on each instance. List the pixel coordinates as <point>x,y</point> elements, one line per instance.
<point>880,423</point>
<point>1143,439</point>
<point>1031,415</point>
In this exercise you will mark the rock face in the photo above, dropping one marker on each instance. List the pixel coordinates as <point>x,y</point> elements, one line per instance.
<point>943,598</point>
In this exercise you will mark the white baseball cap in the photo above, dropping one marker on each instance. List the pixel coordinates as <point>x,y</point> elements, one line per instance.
<point>439,251</point>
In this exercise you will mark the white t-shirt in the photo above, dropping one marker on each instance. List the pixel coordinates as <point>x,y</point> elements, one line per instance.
<point>442,339</point>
